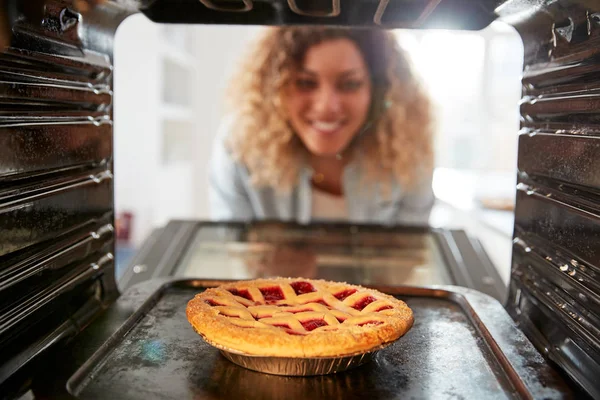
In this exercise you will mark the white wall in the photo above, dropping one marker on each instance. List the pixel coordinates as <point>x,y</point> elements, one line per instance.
<point>136,136</point>
<point>474,81</point>
<point>218,50</point>
<point>153,190</point>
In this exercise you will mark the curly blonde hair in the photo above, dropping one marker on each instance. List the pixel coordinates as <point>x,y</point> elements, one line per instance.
<point>396,145</point>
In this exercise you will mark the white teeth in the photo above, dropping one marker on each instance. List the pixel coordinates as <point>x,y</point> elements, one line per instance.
<point>326,126</point>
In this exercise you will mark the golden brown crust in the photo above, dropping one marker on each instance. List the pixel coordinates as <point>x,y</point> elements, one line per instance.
<point>295,321</point>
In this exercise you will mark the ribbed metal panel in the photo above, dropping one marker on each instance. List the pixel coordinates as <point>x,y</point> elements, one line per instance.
<point>56,186</point>
<point>555,285</point>
<point>468,14</point>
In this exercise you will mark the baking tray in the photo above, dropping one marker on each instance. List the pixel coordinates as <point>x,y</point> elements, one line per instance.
<point>463,345</point>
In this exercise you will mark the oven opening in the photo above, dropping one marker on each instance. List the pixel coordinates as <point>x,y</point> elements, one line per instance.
<point>169,107</point>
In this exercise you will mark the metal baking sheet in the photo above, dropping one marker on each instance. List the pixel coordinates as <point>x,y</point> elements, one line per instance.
<point>462,345</point>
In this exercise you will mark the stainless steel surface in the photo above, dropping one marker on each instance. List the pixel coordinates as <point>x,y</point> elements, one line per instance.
<point>59,143</point>
<point>56,256</point>
<point>332,11</point>
<point>56,189</point>
<point>28,303</point>
<point>555,283</point>
<point>469,264</point>
<point>427,9</point>
<point>38,212</point>
<point>156,353</point>
<point>244,6</point>
<point>450,14</point>
<point>160,253</point>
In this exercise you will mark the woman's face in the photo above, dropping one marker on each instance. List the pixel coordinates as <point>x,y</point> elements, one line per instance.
<point>329,97</point>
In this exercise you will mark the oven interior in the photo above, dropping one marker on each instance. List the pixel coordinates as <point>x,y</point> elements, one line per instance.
<point>57,236</point>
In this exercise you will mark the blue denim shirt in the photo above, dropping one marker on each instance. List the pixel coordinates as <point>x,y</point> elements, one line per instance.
<point>232,197</point>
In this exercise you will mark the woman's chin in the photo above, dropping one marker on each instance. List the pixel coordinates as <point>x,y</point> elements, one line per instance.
<point>325,149</point>
<point>327,152</point>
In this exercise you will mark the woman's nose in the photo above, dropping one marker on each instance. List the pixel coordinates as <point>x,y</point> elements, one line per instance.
<point>327,100</point>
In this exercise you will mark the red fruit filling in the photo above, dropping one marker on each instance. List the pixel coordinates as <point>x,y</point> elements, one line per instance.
<point>364,302</point>
<point>342,295</point>
<point>242,293</point>
<point>272,293</point>
<point>383,308</point>
<point>302,287</point>
<point>212,303</point>
<point>311,324</point>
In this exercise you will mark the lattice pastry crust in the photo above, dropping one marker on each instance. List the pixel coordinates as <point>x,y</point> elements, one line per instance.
<point>286,317</point>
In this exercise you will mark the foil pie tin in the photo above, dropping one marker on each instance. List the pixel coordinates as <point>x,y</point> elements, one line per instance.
<point>293,366</point>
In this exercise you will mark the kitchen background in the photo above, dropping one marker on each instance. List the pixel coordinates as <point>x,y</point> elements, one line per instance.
<point>167,109</point>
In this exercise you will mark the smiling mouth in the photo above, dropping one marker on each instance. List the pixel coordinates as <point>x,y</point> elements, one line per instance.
<point>327,127</point>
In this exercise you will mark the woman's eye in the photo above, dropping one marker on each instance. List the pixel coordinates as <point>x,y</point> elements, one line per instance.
<point>306,84</point>
<point>350,86</point>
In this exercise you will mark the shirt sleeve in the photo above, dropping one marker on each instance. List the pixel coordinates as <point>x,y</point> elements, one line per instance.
<point>228,197</point>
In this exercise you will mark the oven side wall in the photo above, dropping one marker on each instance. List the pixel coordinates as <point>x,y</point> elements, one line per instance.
<point>554,291</point>
<point>56,186</point>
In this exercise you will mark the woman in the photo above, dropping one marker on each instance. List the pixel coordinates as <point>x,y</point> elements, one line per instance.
<point>327,124</point>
